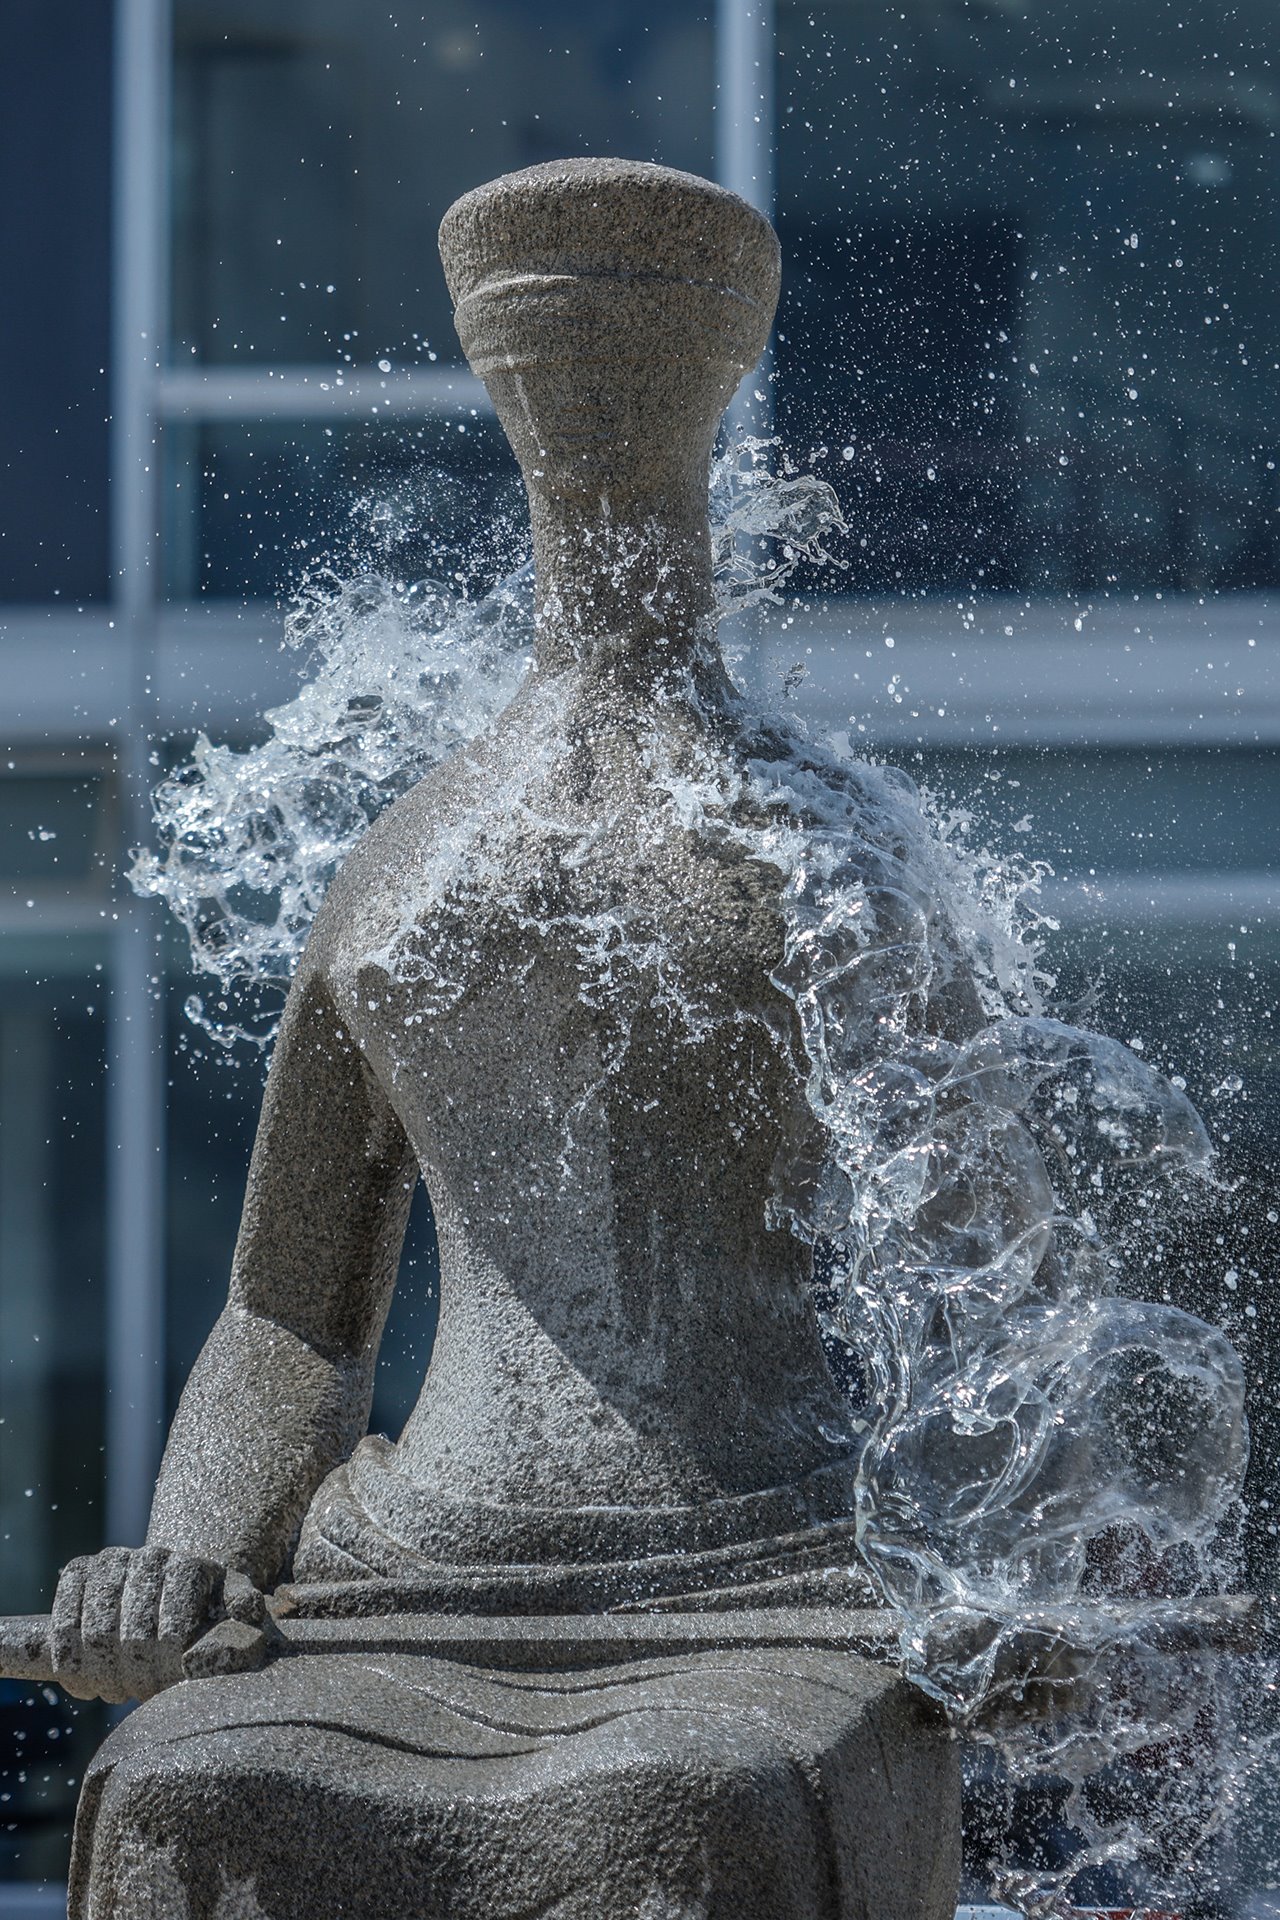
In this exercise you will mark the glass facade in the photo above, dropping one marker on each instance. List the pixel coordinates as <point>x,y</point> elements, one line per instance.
<point>316,145</point>
<point>253,505</point>
<point>1028,308</point>
<point>1028,333</point>
<point>55,144</point>
<point>1021,329</point>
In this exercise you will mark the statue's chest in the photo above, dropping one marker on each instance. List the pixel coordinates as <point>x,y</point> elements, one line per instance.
<point>542,951</point>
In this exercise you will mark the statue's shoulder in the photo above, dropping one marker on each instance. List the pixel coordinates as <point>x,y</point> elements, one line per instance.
<point>440,811</point>
<point>421,852</point>
<point>387,866</point>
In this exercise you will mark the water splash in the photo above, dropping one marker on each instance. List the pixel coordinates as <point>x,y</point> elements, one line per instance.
<point>249,841</point>
<point>1035,1438</point>
<point>394,678</point>
<point>1037,1441</point>
<point>984,1165</point>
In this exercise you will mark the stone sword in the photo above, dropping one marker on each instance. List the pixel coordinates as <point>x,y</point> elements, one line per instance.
<point>1049,1647</point>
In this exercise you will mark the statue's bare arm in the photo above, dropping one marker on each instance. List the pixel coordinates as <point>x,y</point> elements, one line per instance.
<point>281,1391</point>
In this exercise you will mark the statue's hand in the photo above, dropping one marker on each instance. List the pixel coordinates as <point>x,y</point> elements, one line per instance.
<point>123,1618</point>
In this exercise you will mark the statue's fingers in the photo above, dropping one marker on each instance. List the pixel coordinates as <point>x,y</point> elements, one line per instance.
<point>243,1601</point>
<point>84,1652</point>
<point>100,1609</point>
<point>140,1601</point>
<point>150,1656</point>
<point>66,1651</point>
<point>186,1599</point>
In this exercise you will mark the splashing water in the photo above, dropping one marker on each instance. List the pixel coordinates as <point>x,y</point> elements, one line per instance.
<point>1034,1439</point>
<point>249,841</point>
<point>396,678</point>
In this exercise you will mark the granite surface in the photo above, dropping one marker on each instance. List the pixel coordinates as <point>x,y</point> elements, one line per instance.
<point>757,1784</point>
<point>540,985</point>
<point>545,982</point>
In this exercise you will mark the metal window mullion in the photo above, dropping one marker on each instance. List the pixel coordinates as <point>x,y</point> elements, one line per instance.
<point>744,119</point>
<point>135,1400</point>
<point>199,394</point>
<point>139,133</point>
<point>745,149</point>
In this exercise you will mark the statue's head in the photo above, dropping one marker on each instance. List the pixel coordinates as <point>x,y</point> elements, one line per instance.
<point>611,307</point>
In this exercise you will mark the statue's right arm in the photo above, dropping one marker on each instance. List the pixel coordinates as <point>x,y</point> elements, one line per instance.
<point>281,1391</point>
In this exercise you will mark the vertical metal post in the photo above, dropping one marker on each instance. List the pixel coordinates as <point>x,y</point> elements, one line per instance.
<point>136,1073</point>
<point>745,142</point>
<point>744,124</point>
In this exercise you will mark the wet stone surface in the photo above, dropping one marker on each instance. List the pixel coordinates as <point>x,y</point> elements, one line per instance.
<point>548,979</point>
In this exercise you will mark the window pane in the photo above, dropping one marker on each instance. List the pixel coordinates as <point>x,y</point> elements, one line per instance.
<point>318,143</point>
<point>55,228</point>
<point>253,505</point>
<point>57,828</point>
<point>1028,308</point>
<point>52,1071</point>
<point>52,1155</point>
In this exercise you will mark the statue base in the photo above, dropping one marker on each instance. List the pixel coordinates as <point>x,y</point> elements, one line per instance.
<point>750,1766</point>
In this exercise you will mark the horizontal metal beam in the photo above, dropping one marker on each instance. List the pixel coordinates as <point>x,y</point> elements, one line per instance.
<point>1226,902</point>
<point>1199,902</point>
<point>35,1900</point>
<point>30,911</point>
<point>317,393</point>
<point>1177,672</point>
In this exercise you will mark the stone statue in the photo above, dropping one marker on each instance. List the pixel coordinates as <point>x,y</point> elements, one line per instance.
<point>539,986</point>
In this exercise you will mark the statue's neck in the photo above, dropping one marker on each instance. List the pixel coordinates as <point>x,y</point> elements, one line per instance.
<point>626,591</point>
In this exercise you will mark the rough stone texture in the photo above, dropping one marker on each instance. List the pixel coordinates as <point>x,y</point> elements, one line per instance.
<point>538,982</point>
<point>761,1784</point>
<point>533,983</point>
